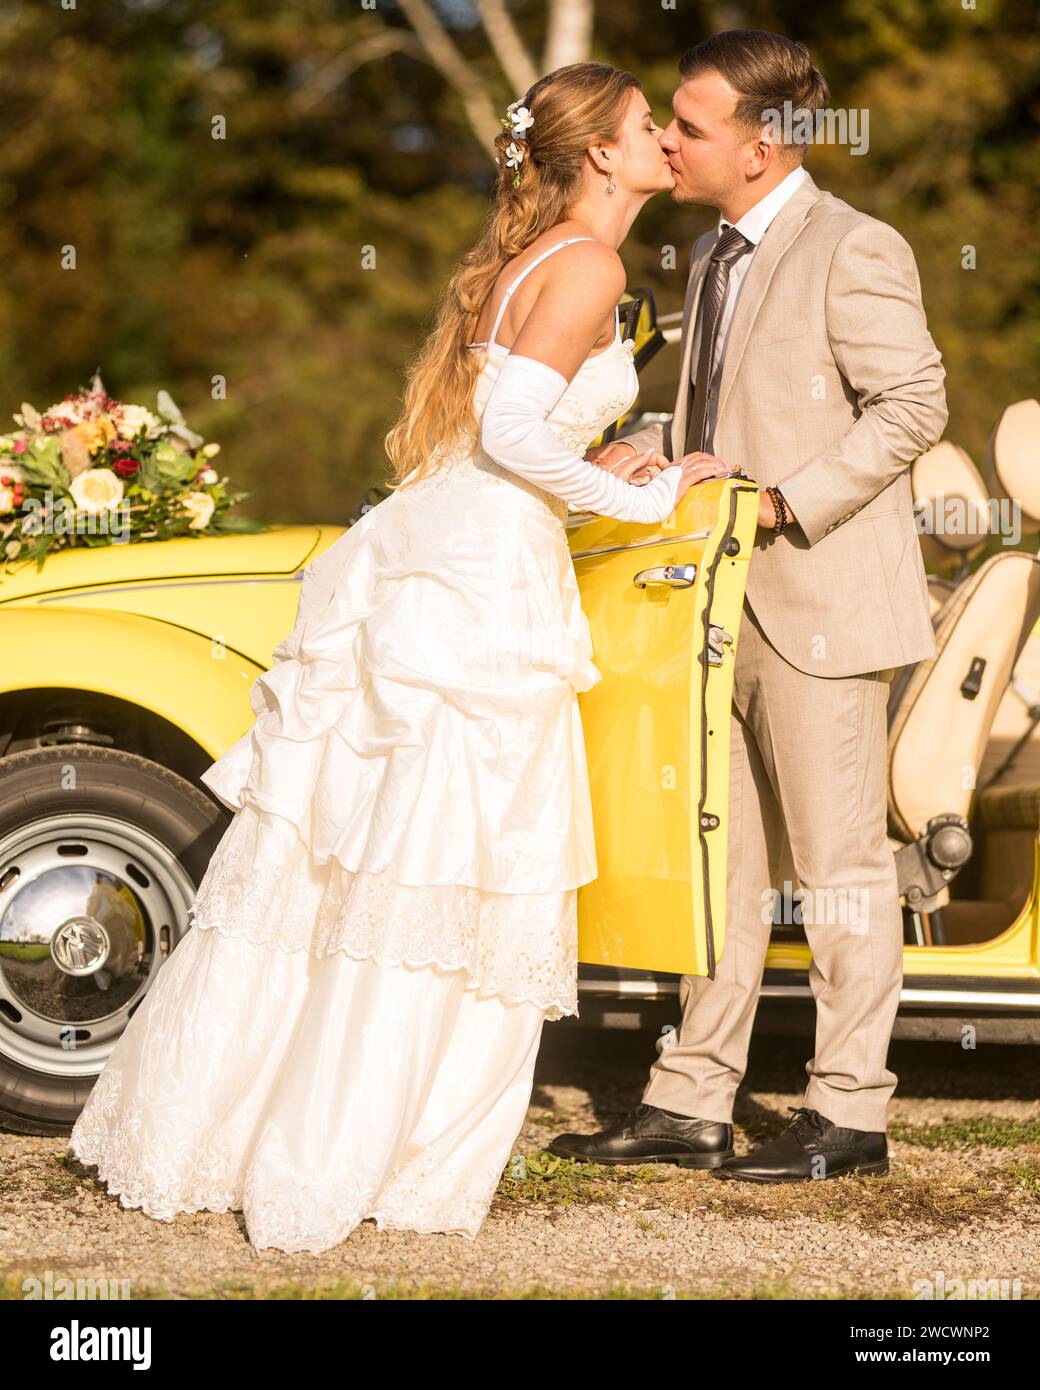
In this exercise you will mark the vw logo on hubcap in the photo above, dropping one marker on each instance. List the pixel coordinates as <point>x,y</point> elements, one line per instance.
<point>80,946</point>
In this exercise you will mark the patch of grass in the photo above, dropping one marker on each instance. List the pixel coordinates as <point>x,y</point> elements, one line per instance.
<point>11,1285</point>
<point>348,1290</point>
<point>759,1129</point>
<point>24,951</point>
<point>12,1281</point>
<point>786,1287</point>
<point>1024,1173</point>
<point>553,1115</point>
<point>544,1177</point>
<point>61,1174</point>
<point>402,1291</point>
<point>869,1203</point>
<point>928,1202</point>
<point>974,1132</point>
<point>776,1287</point>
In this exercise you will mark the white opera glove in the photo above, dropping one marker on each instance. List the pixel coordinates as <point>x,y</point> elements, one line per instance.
<point>515,432</point>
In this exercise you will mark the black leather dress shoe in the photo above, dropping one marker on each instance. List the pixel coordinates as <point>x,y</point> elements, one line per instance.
<point>650,1135</point>
<point>811,1147</point>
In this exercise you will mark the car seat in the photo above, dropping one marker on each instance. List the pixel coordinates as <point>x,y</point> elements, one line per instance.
<point>942,711</point>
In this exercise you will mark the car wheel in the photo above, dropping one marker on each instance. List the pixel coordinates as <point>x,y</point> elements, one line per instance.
<point>101,853</point>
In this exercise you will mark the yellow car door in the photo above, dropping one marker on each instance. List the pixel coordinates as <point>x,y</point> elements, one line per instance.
<point>664,605</point>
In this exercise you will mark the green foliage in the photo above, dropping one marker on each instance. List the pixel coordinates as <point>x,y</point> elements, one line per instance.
<point>278,281</point>
<point>41,465</point>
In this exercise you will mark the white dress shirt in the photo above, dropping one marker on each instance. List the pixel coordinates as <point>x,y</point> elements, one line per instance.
<point>752,225</point>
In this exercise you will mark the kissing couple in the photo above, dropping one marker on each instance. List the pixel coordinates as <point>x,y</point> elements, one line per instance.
<point>350,1029</point>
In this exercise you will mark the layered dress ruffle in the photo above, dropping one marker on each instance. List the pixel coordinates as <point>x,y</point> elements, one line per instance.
<point>414,787</point>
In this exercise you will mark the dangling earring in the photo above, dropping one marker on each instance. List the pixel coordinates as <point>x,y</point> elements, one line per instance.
<point>611,185</point>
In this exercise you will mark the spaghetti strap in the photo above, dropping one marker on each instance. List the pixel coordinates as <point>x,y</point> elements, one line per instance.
<point>537,261</point>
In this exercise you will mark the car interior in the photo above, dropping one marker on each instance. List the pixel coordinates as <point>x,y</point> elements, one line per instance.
<point>963,769</point>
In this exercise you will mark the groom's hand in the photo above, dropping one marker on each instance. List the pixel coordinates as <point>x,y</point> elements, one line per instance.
<point>705,466</point>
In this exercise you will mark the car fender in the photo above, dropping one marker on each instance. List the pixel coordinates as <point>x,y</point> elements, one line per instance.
<point>198,685</point>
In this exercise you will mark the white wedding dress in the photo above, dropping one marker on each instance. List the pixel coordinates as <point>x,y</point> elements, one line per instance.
<point>350,1027</point>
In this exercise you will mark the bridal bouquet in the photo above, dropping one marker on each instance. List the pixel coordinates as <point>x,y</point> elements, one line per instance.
<point>93,471</point>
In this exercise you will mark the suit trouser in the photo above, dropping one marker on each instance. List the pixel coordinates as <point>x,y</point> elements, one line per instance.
<point>807,775</point>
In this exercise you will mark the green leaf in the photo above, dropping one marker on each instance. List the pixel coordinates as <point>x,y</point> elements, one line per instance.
<point>172,465</point>
<point>42,466</point>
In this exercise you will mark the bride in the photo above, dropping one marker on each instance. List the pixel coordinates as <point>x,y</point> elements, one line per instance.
<point>349,1030</point>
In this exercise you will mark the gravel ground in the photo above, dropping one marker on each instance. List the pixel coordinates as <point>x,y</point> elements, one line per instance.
<point>962,1201</point>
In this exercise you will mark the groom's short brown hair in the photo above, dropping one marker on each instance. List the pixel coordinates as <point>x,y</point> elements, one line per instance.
<point>767,70</point>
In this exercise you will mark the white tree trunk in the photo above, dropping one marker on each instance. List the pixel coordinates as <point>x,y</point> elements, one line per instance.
<point>454,68</point>
<point>508,45</point>
<point>569,39</point>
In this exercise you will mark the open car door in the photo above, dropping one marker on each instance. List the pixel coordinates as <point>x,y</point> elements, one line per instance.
<point>664,605</point>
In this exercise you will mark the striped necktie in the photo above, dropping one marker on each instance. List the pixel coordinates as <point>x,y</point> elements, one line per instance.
<point>729,247</point>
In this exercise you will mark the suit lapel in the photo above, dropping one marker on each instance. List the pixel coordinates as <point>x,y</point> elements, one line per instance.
<point>779,235</point>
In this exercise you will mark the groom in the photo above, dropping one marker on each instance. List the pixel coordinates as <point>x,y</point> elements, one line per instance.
<point>806,362</point>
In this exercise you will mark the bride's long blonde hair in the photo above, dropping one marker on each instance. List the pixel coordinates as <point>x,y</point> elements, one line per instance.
<point>573,107</point>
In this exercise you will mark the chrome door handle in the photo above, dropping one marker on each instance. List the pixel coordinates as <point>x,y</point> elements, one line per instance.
<point>672,576</point>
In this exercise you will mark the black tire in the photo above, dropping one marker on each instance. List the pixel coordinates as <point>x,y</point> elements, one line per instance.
<point>115,785</point>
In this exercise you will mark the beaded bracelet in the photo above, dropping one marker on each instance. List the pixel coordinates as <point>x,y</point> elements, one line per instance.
<point>780,507</point>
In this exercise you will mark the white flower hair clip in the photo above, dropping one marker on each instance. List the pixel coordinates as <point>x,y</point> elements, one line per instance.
<point>514,158</point>
<point>520,119</point>
<point>518,122</point>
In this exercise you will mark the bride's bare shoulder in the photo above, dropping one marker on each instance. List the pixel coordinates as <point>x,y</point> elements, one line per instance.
<point>587,272</point>
<point>589,268</point>
<point>592,255</point>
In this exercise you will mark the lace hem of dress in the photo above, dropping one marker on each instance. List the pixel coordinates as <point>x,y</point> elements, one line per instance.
<point>422,1194</point>
<point>263,884</point>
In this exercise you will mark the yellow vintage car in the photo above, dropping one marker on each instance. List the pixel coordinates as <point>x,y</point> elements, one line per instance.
<point>127,671</point>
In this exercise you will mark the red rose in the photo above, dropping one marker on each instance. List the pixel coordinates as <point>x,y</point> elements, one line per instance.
<point>125,467</point>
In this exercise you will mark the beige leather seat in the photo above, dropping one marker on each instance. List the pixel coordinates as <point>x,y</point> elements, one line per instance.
<point>947,489</point>
<point>941,711</point>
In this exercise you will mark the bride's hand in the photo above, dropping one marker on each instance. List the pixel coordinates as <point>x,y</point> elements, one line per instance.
<point>698,468</point>
<point>652,463</point>
<point>604,455</point>
<point>635,468</point>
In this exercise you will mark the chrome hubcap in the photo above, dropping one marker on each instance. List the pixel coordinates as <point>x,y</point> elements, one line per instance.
<point>90,907</point>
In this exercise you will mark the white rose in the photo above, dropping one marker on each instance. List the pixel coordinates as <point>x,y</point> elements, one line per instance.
<point>199,506</point>
<point>96,489</point>
<point>133,417</point>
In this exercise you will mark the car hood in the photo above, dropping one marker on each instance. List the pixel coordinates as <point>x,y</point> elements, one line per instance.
<point>280,550</point>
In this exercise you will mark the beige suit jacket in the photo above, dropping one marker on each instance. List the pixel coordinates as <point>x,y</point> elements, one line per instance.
<point>831,387</point>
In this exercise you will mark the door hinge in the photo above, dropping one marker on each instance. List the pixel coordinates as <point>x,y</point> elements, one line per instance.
<point>718,639</point>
